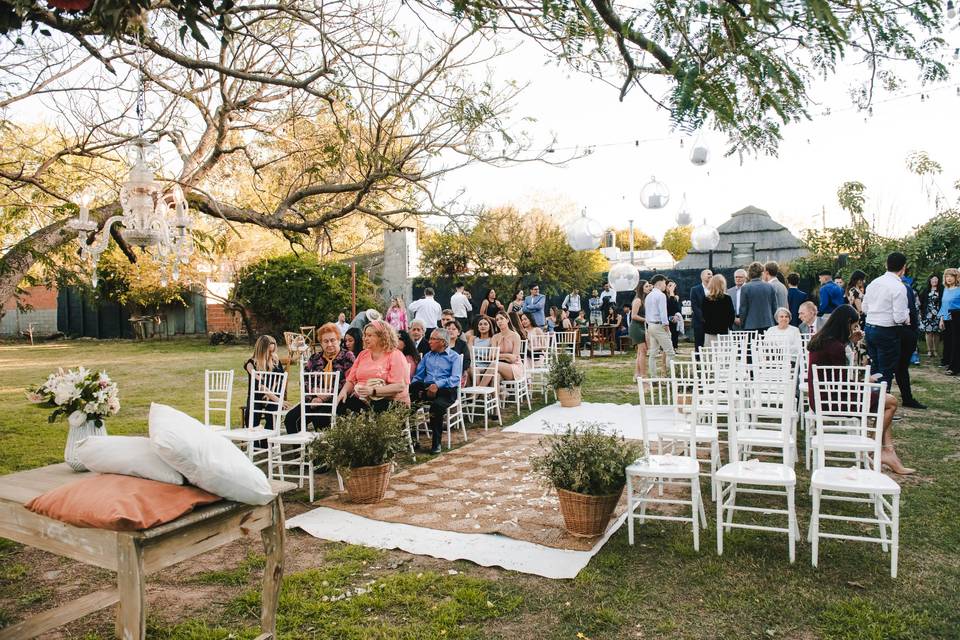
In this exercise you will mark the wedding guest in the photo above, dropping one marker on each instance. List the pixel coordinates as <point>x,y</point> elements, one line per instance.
<point>458,344</point>
<point>566,323</point>
<point>596,309</point>
<point>380,375</point>
<point>638,326</point>
<point>490,306</point>
<point>572,303</point>
<point>624,329</point>
<point>697,295</point>
<point>436,381</point>
<point>331,357</point>
<point>516,305</point>
<point>614,319</point>
<point>758,301</point>
<point>460,304</point>
<point>608,298</point>
<point>527,326</point>
<point>930,299</point>
<point>363,318</point>
<point>535,304</point>
<point>810,322</point>
<point>426,309</point>
<point>831,347</point>
<point>908,346</point>
<point>264,358</point>
<point>353,341</point>
<point>718,314</point>
<point>795,298</point>
<point>418,335</point>
<point>342,324</point>
<point>950,321</point>
<point>508,341</point>
<point>784,333</point>
<point>739,279</point>
<point>831,296</point>
<point>771,275</point>
<point>854,292</point>
<point>482,333</point>
<point>675,311</point>
<point>885,305</point>
<point>409,350</point>
<point>396,315</point>
<point>552,319</point>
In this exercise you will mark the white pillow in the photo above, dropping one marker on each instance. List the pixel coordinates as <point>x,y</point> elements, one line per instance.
<point>126,455</point>
<point>208,460</point>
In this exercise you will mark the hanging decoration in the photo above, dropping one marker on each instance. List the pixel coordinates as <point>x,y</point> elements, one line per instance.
<point>584,233</point>
<point>654,195</point>
<point>623,276</point>
<point>705,237</point>
<point>683,215</point>
<point>699,152</point>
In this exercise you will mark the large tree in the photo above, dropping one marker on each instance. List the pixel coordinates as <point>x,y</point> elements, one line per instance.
<point>303,116</point>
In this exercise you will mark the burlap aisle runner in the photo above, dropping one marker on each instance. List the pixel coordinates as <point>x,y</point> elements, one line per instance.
<point>486,486</point>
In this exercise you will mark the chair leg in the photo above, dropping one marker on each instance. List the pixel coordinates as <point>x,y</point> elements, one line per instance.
<point>629,510</point>
<point>815,528</point>
<point>733,501</point>
<point>695,506</point>
<point>791,523</point>
<point>879,513</point>
<point>719,492</point>
<point>894,535</point>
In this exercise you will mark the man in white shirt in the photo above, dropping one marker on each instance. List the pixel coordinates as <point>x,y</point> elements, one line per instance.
<point>740,278</point>
<point>460,303</point>
<point>885,305</point>
<point>342,324</point>
<point>608,297</point>
<point>658,324</point>
<point>810,323</point>
<point>572,303</point>
<point>426,309</point>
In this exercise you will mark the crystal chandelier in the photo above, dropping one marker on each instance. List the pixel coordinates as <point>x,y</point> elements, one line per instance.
<point>151,217</point>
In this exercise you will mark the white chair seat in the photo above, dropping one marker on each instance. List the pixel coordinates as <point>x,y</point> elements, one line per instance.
<point>842,442</point>
<point>852,480</point>
<point>665,466</point>
<point>754,472</point>
<point>480,391</point>
<point>302,437</point>
<point>246,435</point>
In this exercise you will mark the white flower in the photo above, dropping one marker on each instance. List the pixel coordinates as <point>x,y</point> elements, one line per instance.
<point>76,419</point>
<point>90,407</point>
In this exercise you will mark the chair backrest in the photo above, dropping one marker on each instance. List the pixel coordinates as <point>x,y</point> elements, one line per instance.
<point>567,342</point>
<point>298,347</point>
<point>263,385</point>
<point>310,333</point>
<point>659,404</point>
<point>322,384</point>
<point>765,405</point>
<point>217,395</point>
<point>485,362</point>
<point>543,348</point>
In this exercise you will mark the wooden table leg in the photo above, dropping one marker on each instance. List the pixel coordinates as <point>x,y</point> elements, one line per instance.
<point>131,612</point>
<point>273,537</point>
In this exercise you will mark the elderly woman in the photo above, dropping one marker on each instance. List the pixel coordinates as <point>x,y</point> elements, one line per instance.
<point>331,357</point>
<point>784,333</point>
<point>380,374</point>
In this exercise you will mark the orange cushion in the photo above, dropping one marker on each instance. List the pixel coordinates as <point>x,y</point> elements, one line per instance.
<point>119,503</point>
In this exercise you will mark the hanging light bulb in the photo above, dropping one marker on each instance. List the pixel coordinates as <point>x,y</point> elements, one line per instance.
<point>683,215</point>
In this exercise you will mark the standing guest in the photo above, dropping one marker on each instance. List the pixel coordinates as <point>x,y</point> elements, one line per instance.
<point>596,309</point>
<point>810,322</point>
<point>353,341</point>
<point>380,374</point>
<point>739,279</point>
<point>516,305</point>
<point>885,303</point>
<point>460,304</point>
<point>675,311</point>
<point>396,315</point>
<point>490,306</point>
<point>572,303</point>
<point>854,292</point>
<point>458,344</point>
<point>658,324</point>
<point>363,318</point>
<point>930,299</point>
<point>718,313</point>
<point>583,328</point>
<point>771,275</point>
<point>409,350</point>
<point>795,298</point>
<point>508,341</point>
<point>831,347</point>
<point>784,333</point>
<point>553,318</point>
<point>758,301</point>
<point>342,324</point>
<point>697,295</point>
<point>638,326</point>
<point>535,305</point>
<point>908,345</point>
<point>436,381</point>
<point>831,296</point>
<point>331,357</point>
<point>264,358</point>
<point>482,333</point>
<point>839,282</point>
<point>418,334</point>
<point>950,321</point>
<point>426,309</point>
<point>607,297</point>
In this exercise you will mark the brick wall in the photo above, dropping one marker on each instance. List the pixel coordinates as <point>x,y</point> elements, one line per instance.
<point>219,319</point>
<point>43,315</point>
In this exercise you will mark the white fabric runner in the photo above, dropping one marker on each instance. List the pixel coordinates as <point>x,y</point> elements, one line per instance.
<point>623,419</point>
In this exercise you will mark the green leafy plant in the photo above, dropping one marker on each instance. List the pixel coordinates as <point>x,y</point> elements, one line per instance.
<point>564,374</point>
<point>584,459</point>
<point>364,439</point>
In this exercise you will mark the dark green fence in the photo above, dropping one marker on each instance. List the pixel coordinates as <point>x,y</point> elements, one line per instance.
<point>80,316</point>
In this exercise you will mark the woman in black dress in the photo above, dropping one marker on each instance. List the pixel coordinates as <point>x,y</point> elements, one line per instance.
<point>674,306</point>
<point>264,359</point>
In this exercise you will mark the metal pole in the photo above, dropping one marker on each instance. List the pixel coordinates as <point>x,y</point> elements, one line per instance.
<point>711,260</point>
<point>631,242</point>
<point>353,287</point>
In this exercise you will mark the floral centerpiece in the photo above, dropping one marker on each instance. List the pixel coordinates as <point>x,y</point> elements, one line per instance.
<point>85,397</point>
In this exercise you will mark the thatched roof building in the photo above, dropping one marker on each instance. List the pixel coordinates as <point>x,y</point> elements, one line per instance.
<point>750,234</point>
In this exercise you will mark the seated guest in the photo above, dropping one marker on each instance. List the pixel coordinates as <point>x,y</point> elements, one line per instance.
<point>528,327</point>
<point>446,316</point>
<point>409,350</point>
<point>784,333</point>
<point>832,346</point>
<point>264,359</point>
<point>418,332</point>
<point>810,322</point>
<point>482,332</point>
<point>380,374</point>
<point>552,320</point>
<point>625,322</point>
<point>516,323</point>
<point>614,319</point>
<point>331,357</point>
<point>436,381</point>
<point>459,345</point>
<point>566,322</point>
<point>583,326</point>
<point>353,341</point>
<point>508,341</point>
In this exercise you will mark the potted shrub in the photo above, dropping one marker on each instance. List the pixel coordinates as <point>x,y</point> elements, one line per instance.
<point>565,377</point>
<point>587,468</point>
<point>362,447</point>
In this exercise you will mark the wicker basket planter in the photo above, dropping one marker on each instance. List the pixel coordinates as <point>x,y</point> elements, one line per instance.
<point>586,516</point>
<point>366,485</point>
<point>569,396</point>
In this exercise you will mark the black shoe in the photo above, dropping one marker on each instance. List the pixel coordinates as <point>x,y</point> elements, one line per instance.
<point>913,404</point>
<point>436,450</point>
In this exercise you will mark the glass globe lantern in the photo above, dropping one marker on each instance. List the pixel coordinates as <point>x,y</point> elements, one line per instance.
<point>623,276</point>
<point>654,195</point>
<point>683,215</point>
<point>584,233</point>
<point>705,237</point>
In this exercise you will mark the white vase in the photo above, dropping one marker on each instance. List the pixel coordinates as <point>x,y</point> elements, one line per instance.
<point>75,435</point>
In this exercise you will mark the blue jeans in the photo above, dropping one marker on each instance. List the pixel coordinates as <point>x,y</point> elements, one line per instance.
<point>883,347</point>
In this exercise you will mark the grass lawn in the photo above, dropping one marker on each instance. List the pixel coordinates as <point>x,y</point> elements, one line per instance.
<point>660,588</point>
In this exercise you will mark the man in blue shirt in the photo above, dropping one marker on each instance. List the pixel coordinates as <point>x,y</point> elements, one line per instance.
<point>436,381</point>
<point>534,304</point>
<point>831,295</point>
<point>795,298</point>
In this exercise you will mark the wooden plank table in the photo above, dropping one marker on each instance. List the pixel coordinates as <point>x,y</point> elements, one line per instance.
<point>135,555</point>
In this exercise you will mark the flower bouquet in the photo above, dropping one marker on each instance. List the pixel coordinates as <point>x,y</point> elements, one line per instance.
<point>85,398</point>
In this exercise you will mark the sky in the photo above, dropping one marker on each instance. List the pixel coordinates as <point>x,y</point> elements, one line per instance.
<point>798,187</point>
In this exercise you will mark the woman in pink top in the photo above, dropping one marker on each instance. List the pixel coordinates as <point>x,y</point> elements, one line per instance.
<point>380,375</point>
<point>397,315</point>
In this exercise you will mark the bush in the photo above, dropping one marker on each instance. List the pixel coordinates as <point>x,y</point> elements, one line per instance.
<point>585,460</point>
<point>222,337</point>
<point>564,374</point>
<point>364,439</point>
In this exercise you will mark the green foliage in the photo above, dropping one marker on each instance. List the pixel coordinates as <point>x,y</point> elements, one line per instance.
<point>564,374</point>
<point>584,459</point>
<point>677,241</point>
<point>935,245</point>
<point>141,283</point>
<point>641,241</point>
<point>364,439</point>
<point>290,290</point>
<point>861,619</point>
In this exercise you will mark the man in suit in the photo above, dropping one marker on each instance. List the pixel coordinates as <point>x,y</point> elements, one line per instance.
<point>795,298</point>
<point>739,278</point>
<point>418,333</point>
<point>697,295</point>
<point>758,301</point>
<point>770,272</point>
<point>908,344</point>
<point>810,323</point>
